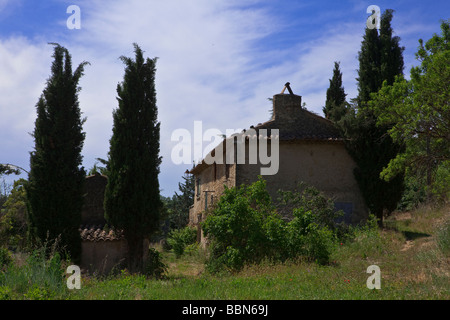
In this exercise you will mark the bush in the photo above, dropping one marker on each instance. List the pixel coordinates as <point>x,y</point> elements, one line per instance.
<point>179,239</point>
<point>441,185</point>
<point>153,265</point>
<point>5,258</point>
<point>5,293</point>
<point>236,227</point>
<point>245,227</point>
<point>307,238</point>
<point>13,222</point>
<point>414,193</point>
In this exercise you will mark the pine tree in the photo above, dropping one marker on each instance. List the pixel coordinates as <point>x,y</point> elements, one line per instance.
<point>335,105</point>
<point>182,202</point>
<point>56,178</point>
<point>380,59</point>
<point>132,198</point>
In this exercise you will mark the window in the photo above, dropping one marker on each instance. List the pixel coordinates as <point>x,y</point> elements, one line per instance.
<point>197,186</point>
<point>347,207</point>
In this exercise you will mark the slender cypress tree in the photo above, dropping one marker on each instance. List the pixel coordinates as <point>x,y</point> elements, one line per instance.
<point>132,198</point>
<point>335,104</point>
<point>56,178</point>
<point>380,59</point>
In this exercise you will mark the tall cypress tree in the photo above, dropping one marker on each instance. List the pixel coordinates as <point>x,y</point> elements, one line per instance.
<point>132,198</point>
<point>335,104</point>
<point>380,59</point>
<point>56,178</point>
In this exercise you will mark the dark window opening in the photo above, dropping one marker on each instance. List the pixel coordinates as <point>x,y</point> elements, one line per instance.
<point>347,207</point>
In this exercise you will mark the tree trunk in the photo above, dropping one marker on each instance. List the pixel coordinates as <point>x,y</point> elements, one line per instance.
<point>135,254</point>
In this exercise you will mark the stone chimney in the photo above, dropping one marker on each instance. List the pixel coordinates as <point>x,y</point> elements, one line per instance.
<point>286,107</point>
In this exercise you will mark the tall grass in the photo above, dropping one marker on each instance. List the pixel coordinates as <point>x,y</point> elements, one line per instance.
<point>443,238</point>
<point>41,277</point>
<point>410,269</point>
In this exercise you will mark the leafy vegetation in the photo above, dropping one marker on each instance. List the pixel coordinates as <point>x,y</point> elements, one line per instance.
<point>418,113</point>
<point>56,179</point>
<point>412,267</point>
<point>179,239</point>
<point>245,227</point>
<point>132,200</point>
<point>380,59</point>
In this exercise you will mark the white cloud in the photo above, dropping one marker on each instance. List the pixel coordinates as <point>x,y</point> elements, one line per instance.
<point>209,69</point>
<point>216,64</point>
<point>21,84</point>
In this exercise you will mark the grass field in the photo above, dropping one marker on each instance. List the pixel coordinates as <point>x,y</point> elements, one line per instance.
<point>412,252</point>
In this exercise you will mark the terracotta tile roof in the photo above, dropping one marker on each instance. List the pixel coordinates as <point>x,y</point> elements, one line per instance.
<point>97,233</point>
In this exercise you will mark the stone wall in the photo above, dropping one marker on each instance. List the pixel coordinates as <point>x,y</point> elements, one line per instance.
<point>93,213</point>
<point>325,165</point>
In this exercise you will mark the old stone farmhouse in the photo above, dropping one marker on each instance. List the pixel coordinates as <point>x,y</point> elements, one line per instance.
<point>310,150</point>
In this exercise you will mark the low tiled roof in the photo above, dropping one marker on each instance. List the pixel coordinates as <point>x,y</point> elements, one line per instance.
<point>97,233</point>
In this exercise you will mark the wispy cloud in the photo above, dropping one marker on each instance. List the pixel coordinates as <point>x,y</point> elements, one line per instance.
<point>218,63</point>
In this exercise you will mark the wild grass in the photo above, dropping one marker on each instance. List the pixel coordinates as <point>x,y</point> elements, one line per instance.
<point>412,253</point>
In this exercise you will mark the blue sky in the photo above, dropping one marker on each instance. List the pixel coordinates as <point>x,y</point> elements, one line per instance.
<point>218,62</point>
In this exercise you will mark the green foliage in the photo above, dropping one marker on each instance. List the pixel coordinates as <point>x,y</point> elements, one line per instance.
<point>8,169</point>
<point>132,199</point>
<point>441,184</point>
<point>5,258</point>
<point>443,238</point>
<point>37,293</point>
<point>418,111</point>
<point>179,239</point>
<point>40,278</point>
<point>13,217</point>
<point>380,59</point>
<point>236,226</point>
<point>177,207</point>
<point>245,227</point>
<point>97,169</point>
<point>154,266</point>
<point>414,194</point>
<point>5,293</point>
<point>56,179</point>
<point>335,104</point>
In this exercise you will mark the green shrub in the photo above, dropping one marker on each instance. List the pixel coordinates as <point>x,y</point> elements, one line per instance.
<point>307,238</point>
<point>38,293</point>
<point>245,227</point>
<point>236,228</point>
<point>414,193</point>
<point>5,258</point>
<point>5,293</point>
<point>154,266</point>
<point>179,239</point>
<point>441,185</point>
